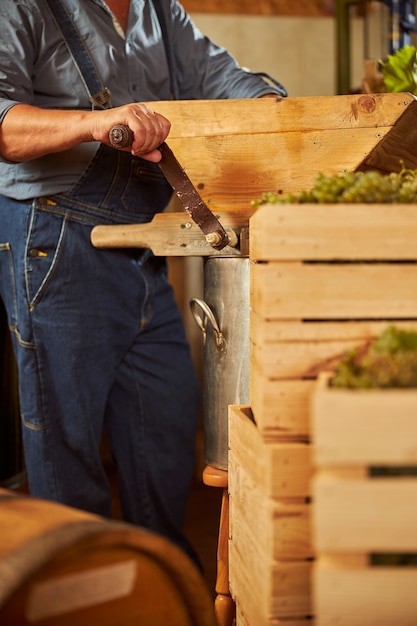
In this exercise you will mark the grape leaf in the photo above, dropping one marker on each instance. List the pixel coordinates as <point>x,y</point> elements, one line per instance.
<point>400,70</point>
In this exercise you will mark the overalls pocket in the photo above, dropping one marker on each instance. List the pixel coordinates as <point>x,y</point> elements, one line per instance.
<point>45,244</point>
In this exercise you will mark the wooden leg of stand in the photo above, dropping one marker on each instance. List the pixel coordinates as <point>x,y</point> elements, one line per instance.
<point>224,605</point>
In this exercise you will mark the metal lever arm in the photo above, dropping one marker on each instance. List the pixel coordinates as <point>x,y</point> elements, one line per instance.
<point>121,136</point>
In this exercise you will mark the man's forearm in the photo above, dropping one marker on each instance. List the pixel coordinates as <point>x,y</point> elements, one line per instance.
<point>29,132</point>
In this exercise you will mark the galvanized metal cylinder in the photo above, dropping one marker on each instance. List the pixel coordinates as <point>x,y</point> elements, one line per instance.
<point>223,317</point>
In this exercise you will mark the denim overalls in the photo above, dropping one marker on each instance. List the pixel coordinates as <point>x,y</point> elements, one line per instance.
<point>100,344</point>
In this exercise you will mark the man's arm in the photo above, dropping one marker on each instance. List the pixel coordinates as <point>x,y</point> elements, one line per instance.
<point>29,132</point>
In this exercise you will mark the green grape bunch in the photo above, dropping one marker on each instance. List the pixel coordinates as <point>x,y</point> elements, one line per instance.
<point>352,187</point>
<point>389,361</point>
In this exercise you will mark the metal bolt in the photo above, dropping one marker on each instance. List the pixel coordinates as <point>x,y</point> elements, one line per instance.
<point>213,238</point>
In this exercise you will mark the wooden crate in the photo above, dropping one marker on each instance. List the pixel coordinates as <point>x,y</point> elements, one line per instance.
<point>358,514</point>
<point>324,279</point>
<point>270,536</point>
<point>353,595</point>
<point>375,427</point>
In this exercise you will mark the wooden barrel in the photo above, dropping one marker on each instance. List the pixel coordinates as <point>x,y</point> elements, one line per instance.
<point>60,566</point>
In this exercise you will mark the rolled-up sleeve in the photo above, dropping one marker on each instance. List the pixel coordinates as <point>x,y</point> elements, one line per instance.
<point>5,106</point>
<point>16,56</point>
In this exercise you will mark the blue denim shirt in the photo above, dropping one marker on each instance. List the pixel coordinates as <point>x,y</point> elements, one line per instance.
<point>36,68</point>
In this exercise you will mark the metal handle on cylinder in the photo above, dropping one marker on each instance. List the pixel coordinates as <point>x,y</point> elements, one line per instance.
<point>197,307</point>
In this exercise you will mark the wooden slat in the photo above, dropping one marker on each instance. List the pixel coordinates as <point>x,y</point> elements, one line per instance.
<point>337,231</point>
<point>368,427</point>
<point>205,118</point>
<point>245,619</point>
<point>266,332</point>
<point>298,360</point>
<point>281,470</point>
<point>171,234</point>
<point>232,170</point>
<point>368,515</point>
<point>280,407</point>
<point>281,590</point>
<point>306,8</point>
<point>383,596</point>
<point>282,531</point>
<point>321,291</point>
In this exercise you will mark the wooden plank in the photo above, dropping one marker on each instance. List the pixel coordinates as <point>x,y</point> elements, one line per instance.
<point>333,231</point>
<point>282,531</point>
<point>243,618</point>
<point>307,359</point>
<point>306,8</point>
<point>280,408</point>
<point>280,590</point>
<point>230,171</point>
<point>303,348</point>
<point>281,470</point>
<point>340,291</point>
<point>355,596</point>
<point>369,427</point>
<point>204,118</point>
<point>298,360</point>
<point>364,515</point>
<point>267,332</point>
<point>171,234</point>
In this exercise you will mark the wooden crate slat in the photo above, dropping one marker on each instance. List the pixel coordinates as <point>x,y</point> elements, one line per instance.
<point>281,470</point>
<point>280,590</point>
<point>280,407</point>
<point>243,618</point>
<point>281,530</point>
<point>334,231</point>
<point>370,427</point>
<point>292,290</point>
<point>364,515</point>
<point>271,333</point>
<point>302,349</point>
<point>297,360</point>
<point>266,7</point>
<point>365,596</point>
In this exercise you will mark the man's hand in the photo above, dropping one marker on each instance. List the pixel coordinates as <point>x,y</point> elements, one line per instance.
<point>149,128</point>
